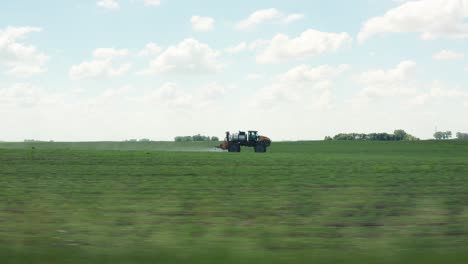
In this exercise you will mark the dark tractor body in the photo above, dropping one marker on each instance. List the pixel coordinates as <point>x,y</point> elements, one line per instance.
<point>234,141</point>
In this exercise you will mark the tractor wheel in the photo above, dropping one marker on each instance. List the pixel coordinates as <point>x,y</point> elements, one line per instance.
<point>237,148</point>
<point>260,148</point>
<point>234,148</point>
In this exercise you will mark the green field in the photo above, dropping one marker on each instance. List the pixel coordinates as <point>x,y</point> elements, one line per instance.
<point>302,202</point>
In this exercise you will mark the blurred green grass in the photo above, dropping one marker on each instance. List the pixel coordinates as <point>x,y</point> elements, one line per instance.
<point>303,202</point>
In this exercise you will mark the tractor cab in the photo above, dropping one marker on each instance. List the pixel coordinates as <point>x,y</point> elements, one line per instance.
<point>253,136</point>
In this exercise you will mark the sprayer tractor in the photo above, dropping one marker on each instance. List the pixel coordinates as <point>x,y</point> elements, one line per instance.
<point>234,141</point>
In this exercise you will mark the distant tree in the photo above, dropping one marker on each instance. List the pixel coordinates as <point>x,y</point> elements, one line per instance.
<point>443,135</point>
<point>183,139</point>
<point>32,140</point>
<point>343,136</point>
<point>462,136</point>
<point>328,138</point>
<point>362,136</point>
<point>438,135</point>
<point>197,138</point>
<point>448,134</point>
<point>399,134</point>
<point>144,140</point>
<point>409,137</point>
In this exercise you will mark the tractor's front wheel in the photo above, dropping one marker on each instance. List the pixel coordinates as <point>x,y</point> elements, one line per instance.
<point>260,148</point>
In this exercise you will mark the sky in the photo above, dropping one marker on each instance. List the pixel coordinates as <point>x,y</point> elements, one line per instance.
<point>91,70</point>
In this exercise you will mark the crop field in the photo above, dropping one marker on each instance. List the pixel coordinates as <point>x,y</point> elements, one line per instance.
<point>302,202</point>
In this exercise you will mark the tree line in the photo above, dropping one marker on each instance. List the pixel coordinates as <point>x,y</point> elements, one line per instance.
<point>138,140</point>
<point>196,138</point>
<point>462,136</point>
<point>398,135</point>
<point>440,135</point>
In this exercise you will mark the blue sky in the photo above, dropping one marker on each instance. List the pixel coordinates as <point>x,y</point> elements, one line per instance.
<point>79,70</point>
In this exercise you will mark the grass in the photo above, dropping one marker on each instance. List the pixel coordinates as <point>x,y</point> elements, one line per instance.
<point>303,202</point>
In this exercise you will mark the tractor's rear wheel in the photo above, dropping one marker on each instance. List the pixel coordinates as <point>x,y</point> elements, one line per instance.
<point>260,148</point>
<point>234,148</point>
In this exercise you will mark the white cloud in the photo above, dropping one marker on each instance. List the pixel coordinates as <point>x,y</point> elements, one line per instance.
<point>211,92</point>
<point>301,86</point>
<point>293,18</point>
<point>238,48</point>
<point>448,55</point>
<point>19,94</point>
<point>171,95</point>
<point>258,17</point>
<point>102,65</point>
<point>202,24</point>
<point>189,56</point>
<point>116,92</point>
<point>403,72</point>
<point>259,44</point>
<point>20,59</point>
<point>109,53</point>
<point>110,97</point>
<point>439,91</point>
<point>152,2</point>
<point>309,43</point>
<point>304,73</point>
<point>398,81</point>
<point>24,95</point>
<point>254,76</point>
<point>151,49</point>
<point>267,15</point>
<point>430,18</point>
<point>109,4</point>
<point>466,69</point>
<point>314,96</point>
